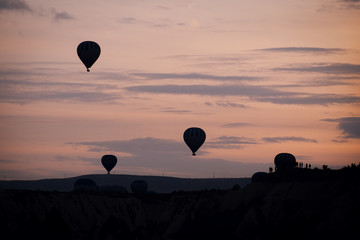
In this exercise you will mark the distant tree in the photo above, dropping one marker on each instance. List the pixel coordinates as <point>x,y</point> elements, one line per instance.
<point>325,167</point>
<point>271,169</point>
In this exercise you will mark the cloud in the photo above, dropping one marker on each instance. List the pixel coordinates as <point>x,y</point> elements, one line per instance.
<point>230,104</point>
<point>26,91</point>
<point>287,139</point>
<point>62,15</point>
<point>197,76</point>
<point>149,145</point>
<point>230,142</point>
<point>77,96</point>
<point>164,155</point>
<point>255,93</point>
<point>159,23</point>
<point>351,4</point>
<point>311,50</point>
<point>350,126</point>
<point>173,110</point>
<point>128,20</point>
<point>236,125</point>
<point>215,90</point>
<point>328,68</point>
<point>14,5</point>
<point>311,99</point>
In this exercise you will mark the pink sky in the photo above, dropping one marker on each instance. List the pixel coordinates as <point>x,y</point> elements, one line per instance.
<point>260,77</point>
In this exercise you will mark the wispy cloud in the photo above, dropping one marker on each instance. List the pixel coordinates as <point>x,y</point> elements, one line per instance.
<point>236,125</point>
<point>195,76</point>
<point>255,93</point>
<point>230,142</point>
<point>311,99</point>
<point>287,139</point>
<point>307,50</point>
<point>62,15</point>
<point>350,126</point>
<point>351,4</point>
<point>154,23</point>
<point>128,20</point>
<point>75,96</point>
<point>14,5</point>
<point>26,91</point>
<point>219,90</point>
<point>164,155</point>
<point>328,68</point>
<point>174,110</point>
<point>230,104</point>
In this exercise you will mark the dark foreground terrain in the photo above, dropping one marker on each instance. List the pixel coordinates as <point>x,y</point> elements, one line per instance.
<point>298,204</point>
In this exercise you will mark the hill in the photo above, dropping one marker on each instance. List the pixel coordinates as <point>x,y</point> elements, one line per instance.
<point>157,184</point>
<point>308,204</point>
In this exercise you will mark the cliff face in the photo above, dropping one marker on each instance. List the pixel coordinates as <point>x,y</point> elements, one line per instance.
<point>317,209</point>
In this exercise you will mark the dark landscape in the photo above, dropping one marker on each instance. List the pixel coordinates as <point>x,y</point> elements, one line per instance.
<point>294,204</point>
<point>158,184</point>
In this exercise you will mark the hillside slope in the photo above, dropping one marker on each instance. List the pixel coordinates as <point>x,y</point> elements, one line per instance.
<point>326,207</point>
<point>158,184</point>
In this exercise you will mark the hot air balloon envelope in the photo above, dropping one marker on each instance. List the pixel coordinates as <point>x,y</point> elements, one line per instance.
<point>109,162</point>
<point>194,137</point>
<point>88,52</point>
<point>284,161</point>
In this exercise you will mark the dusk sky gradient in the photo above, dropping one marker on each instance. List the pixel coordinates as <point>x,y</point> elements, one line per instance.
<point>260,77</point>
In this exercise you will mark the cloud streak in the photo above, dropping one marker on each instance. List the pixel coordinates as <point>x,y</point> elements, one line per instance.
<point>163,155</point>
<point>307,50</point>
<point>287,139</point>
<point>215,90</point>
<point>14,5</point>
<point>255,93</point>
<point>351,4</point>
<point>236,125</point>
<point>230,142</point>
<point>62,15</point>
<point>193,76</point>
<point>350,126</point>
<point>327,68</point>
<point>26,91</point>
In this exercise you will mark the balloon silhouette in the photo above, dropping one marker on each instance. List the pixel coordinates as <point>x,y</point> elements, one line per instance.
<point>109,162</point>
<point>194,137</point>
<point>284,161</point>
<point>88,53</point>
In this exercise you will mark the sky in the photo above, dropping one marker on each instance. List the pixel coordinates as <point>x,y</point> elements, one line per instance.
<point>259,77</point>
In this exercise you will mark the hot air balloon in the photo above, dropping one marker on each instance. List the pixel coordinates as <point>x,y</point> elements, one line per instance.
<point>194,137</point>
<point>284,161</point>
<point>88,53</point>
<point>109,162</point>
